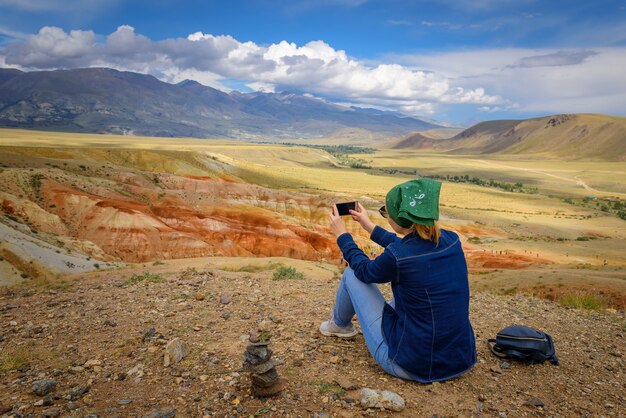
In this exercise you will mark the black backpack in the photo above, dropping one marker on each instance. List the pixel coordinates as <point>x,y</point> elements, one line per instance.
<point>523,343</point>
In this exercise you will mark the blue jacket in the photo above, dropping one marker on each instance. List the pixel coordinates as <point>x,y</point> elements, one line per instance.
<point>428,333</point>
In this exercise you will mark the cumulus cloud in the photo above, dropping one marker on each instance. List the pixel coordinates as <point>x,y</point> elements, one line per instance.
<point>315,67</point>
<point>52,45</point>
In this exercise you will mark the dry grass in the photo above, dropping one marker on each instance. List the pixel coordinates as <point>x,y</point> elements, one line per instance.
<point>15,359</point>
<point>582,300</point>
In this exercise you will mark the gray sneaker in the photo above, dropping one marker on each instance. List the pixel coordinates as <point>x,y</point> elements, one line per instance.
<point>329,328</point>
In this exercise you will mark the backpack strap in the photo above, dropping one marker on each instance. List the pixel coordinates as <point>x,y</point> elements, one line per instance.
<point>508,353</point>
<point>554,358</point>
<point>491,343</point>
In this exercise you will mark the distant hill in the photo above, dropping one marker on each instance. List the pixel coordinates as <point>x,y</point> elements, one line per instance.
<point>102,100</point>
<point>578,136</point>
<point>414,141</point>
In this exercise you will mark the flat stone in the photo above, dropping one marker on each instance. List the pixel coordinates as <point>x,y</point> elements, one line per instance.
<point>78,392</point>
<point>110,323</point>
<point>124,401</point>
<point>260,392</point>
<point>5,408</point>
<point>175,351</point>
<point>254,360</point>
<point>265,380</point>
<point>372,398</point>
<point>43,387</point>
<point>45,401</point>
<point>345,384</point>
<point>534,402</point>
<point>225,298</point>
<point>136,371</point>
<point>51,413</point>
<point>161,413</point>
<point>254,336</point>
<point>261,351</point>
<point>262,368</point>
<point>92,363</point>
<point>150,333</point>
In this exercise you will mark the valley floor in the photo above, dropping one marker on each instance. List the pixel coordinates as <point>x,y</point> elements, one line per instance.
<point>90,330</point>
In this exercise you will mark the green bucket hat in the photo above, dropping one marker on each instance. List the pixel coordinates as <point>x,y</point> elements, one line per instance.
<point>414,202</point>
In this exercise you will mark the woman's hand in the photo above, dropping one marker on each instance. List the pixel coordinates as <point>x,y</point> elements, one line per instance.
<point>336,223</point>
<point>360,215</point>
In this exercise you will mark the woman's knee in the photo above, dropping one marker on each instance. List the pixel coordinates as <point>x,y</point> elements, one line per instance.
<point>348,277</point>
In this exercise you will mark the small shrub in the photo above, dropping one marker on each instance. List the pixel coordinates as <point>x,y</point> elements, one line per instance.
<point>157,263</point>
<point>15,359</point>
<point>285,273</point>
<point>582,239</point>
<point>474,240</point>
<point>146,277</point>
<point>327,387</point>
<point>251,268</point>
<point>582,300</point>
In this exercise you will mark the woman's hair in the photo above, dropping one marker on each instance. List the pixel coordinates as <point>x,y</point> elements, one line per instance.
<point>429,233</point>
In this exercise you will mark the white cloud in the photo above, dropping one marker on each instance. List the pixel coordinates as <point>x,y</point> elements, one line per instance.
<point>536,80</point>
<point>262,87</point>
<point>315,67</point>
<point>52,45</point>
<point>12,33</point>
<point>556,59</point>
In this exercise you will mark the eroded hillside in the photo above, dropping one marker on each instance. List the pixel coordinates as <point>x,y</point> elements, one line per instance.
<point>146,205</point>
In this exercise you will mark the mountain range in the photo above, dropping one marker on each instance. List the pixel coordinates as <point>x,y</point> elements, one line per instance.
<point>103,100</point>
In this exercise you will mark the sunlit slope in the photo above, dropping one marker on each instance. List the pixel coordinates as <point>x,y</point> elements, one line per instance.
<point>569,137</point>
<point>574,136</point>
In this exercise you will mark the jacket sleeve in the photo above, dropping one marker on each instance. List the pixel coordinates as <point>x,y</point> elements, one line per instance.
<point>382,269</point>
<point>383,237</point>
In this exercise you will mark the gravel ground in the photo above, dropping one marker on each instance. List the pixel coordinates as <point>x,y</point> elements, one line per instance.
<point>102,340</point>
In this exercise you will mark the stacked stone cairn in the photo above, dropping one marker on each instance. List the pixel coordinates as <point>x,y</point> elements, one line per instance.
<point>257,361</point>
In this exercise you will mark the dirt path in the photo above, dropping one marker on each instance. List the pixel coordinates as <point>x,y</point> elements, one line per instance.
<point>576,180</point>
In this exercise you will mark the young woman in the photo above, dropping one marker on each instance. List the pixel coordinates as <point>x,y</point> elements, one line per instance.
<point>424,332</point>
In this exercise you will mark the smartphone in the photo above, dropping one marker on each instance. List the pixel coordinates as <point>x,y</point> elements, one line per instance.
<point>344,208</point>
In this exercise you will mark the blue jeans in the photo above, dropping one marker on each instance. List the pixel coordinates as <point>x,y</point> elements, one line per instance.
<point>354,296</point>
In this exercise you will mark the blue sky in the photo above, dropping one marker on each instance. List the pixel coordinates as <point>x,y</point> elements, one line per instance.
<point>459,61</point>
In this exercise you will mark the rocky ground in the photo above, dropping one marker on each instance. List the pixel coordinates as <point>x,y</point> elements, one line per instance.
<point>95,346</point>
